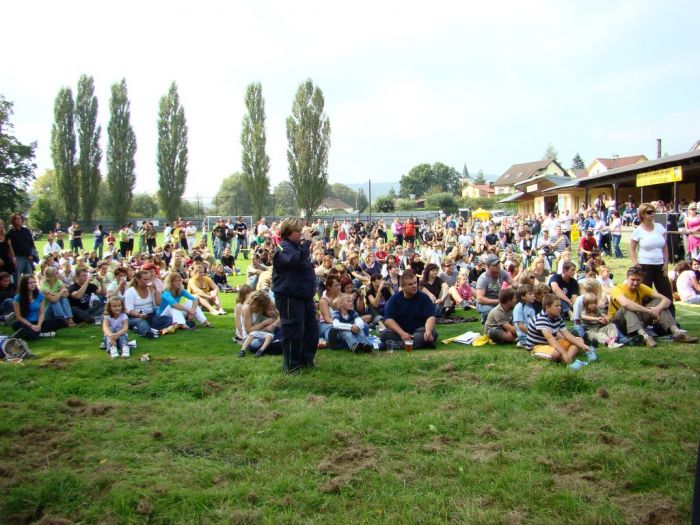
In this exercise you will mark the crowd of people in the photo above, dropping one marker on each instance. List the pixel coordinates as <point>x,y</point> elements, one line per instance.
<point>345,284</point>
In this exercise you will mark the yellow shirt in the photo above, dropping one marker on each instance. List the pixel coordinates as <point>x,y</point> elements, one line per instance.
<point>643,292</point>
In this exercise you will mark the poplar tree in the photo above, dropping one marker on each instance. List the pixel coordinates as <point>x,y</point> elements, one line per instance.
<point>63,152</point>
<point>90,152</point>
<point>255,161</point>
<point>121,148</point>
<point>308,134</point>
<point>16,163</point>
<point>172,153</point>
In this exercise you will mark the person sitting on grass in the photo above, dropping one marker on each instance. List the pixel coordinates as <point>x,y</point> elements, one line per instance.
<point>221,280</point>
<point>238,313</point>
<point>29,320</point>
<point>598,327</point>
<point>184,313</point>
<point>142,300</point>
<point>56,295</point>
<point>410,314</point>
<point>548,337</point>
<point>565,286</point>
<point>523,312</point>
<point>499,323</point>
<point>84,309</point>
<point>350,325</point>
<point>201,286</point>
<point>634,305</point>
<point>115,325</point>
<point>461,293</point>
<point>262,318</point>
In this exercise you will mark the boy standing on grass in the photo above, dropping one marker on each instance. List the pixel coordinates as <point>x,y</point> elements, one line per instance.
<point>548,337</point>
<point>499,323</point>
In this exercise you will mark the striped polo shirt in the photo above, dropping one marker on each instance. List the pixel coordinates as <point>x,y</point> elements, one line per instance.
<point>537,324</point>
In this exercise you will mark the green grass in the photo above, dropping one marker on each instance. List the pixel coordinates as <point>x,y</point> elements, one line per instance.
<point>459,434</point>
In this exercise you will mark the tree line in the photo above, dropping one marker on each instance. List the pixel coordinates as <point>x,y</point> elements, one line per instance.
<point>76,188</point>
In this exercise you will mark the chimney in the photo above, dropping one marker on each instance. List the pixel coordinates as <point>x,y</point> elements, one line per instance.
<point>658,148</point>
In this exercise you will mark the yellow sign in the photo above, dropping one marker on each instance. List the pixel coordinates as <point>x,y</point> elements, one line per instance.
<point>660,176</point>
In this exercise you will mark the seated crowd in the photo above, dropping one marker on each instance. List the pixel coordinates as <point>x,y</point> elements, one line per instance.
<point>523,285</point>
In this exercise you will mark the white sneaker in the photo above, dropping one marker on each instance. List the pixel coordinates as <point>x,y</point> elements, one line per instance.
<point>126,351</point>
<point>113,352</point>
<point>615,345</point>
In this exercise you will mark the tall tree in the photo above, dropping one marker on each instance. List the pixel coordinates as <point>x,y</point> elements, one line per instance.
<point>425,178</point>
<point>285,200</point>
<point>309,137</point>
<point>172,153</point>
<point>63,152</point>
<point>121,149</point>
<point>256,163</point>
<point>551,153</point>
<point>465,172</point>
<point>577,163</point>
<point>362,201</point>
<point>90,152</point>
<point>480,178</point>
<point>16,163</point>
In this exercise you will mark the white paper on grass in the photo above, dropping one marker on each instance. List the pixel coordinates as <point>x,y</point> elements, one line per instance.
<point>466,338</point>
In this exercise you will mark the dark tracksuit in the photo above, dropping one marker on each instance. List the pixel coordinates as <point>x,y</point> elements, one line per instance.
<point>294,285</point>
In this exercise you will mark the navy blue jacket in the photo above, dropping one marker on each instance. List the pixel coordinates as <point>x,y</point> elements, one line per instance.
<point>292,271</point>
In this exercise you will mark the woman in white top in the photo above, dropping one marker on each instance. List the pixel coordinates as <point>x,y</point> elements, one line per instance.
<point>648,248</point>
<point>616,233</point>
<point>687,284</point>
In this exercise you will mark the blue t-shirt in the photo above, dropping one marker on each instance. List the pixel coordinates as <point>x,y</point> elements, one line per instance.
<point>410,314</point>
<point>167,299</point>
<point>522,314</point>
<point>33,314</point>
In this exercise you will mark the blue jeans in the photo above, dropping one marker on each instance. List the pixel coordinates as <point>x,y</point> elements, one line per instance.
<point>143,326</point>
<point>351,339</point>
<point>616,245</point>
<point>122,340</point>
<point>24,267</point>
<point>7,306</point>
<point>240,244</point>
<point>59,310</point>
<point>484,310</point>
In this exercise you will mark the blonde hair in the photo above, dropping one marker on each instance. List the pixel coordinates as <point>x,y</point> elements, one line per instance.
<point>290,225</point>
<point>591,286</point>
<point>643,207</point>
<point>338,300</point>
<point>168,282</point>
<point>590,299</point>
<point>258,301</point>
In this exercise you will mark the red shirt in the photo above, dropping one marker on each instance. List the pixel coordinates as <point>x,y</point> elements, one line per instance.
<point>409,229</point>
<point>588,243</point>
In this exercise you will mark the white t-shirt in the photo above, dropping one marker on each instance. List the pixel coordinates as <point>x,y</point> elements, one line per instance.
<point>685,286</point>
<point>134,301</point>
<point>651,244</point>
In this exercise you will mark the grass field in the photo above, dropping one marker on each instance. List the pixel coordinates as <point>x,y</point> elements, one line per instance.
<point>460,434</point>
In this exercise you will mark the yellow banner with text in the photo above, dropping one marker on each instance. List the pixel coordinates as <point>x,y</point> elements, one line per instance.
<point>660,176</point>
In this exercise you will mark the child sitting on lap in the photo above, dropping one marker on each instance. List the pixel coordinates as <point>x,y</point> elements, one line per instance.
<point>499,323</point>
<point>597,325</point>
<point>350,325</point>
<point>266,320</point>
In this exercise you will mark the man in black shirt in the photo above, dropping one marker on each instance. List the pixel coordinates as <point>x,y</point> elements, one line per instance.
<point>80,293</point>
<point>23,246</point>
<point>565,287</point>
<point>7,294</point>
<point>241,231</point>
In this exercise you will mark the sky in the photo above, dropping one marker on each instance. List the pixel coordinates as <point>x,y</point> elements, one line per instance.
<point>486,84</point>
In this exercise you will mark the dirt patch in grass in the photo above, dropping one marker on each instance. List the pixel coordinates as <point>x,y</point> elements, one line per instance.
<point>75,402</point>
<point>448,368</point>
<point>345,464</point>
<point>437,444</point>
<point>580,482</point>
<point>641,509</point>
<point>211,388</point>
<point>144,507</point>
<point>488,432</point>
<point>54,521</point>
<point>313,398</point>
<point>484,452</point>
<point>82,408</point>
<point>57,363</point>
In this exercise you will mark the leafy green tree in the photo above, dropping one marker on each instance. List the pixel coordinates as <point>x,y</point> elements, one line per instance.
<point>63,153</point>
<point>443,201</point>
<point>577,163</point>
<point>285,200</point>
<point>384,204</point>
<point>16,164</point>
<point>256,163</point>
<point>308,134</point>
<point>425,178</point>
<point>480,178</point>
<point>551,153</point>
<point>232,198</point>
<point>121,149</point>
<point>90,152</point>
<point>362,201</point>
<point>342,192</point>
<point>42,215</point>
<point>144,205</point>
<point>172,153</point>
